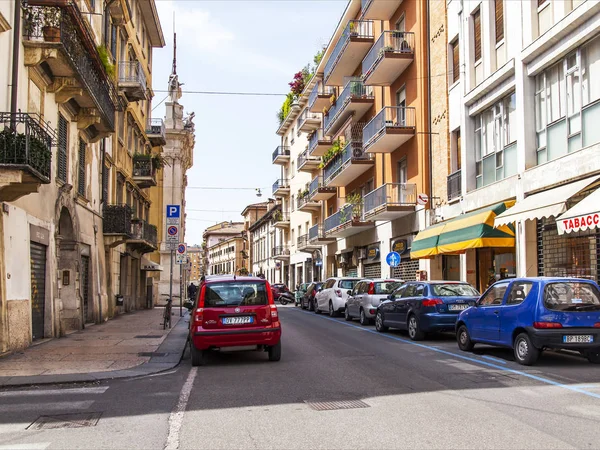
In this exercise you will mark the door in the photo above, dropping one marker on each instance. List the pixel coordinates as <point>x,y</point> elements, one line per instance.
<point>38,289</point>
<point>387,307</point>
<point>85,288</point>
<point>485,319</point>
<point>400,25</point>
<point>359,293</point>
<point>401,103</point>
<point>402,171</point>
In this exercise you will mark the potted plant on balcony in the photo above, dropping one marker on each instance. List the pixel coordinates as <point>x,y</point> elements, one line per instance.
<point>356,201</point>
<point>353,29</point>
<point>277,216</point>
<point>157,162</point>
<point>51,24</point>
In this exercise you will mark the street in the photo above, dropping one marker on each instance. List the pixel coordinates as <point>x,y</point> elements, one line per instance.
<point>402,395</point>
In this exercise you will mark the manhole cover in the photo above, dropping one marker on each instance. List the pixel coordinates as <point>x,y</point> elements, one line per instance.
<point>331,406</point>
<point>152,354</point>
<point>66,421</point>
<point>148,337</point>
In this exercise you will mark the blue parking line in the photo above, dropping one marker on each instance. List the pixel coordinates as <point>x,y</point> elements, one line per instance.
<point>466,358</point>
<point>491,358</point>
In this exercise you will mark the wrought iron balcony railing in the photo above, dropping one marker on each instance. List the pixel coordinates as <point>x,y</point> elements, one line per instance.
<point>302,241</point>
<point>282,150</point>
<point>280,216</point>
<point>281,250</point>
<point>393,41</point>
<point>454,185</point>
<point>280,184</point>
<point>353,150</point>
<point>388,117</point>
<point>156,126</point>
<point>117,220</point>
<point>143,231</point>
<point>66,28</point>
<point>355,28</point>
<point>343,215</point>
<point>132,72</point>
<point>390,194</point>
<point>305,157</point>
<point>354,88</point>
<point>315,137</point>
<point>320,89</point>
<point>142,166</point>
<point>26,143</point>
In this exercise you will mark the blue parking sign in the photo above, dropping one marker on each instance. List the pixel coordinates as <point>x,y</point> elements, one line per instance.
<point>393,259</point>
<point>173,211</point>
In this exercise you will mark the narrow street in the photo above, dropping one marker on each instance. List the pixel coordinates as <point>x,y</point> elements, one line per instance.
<point>414,395</point>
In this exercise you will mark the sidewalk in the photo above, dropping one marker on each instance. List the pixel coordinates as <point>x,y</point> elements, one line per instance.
<point>129,345</point>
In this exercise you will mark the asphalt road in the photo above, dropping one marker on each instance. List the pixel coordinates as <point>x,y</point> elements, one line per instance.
<point>426,395</point>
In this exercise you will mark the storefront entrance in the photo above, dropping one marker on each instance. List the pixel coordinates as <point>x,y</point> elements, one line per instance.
<point>495,264</point>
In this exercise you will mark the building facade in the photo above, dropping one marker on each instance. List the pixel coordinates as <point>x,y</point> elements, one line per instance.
<point>523,102</point>
<point>196,263</point>
<point>363,120</point>
<point>270,251</point>
<point>215,235</point>
<point>227,257</point>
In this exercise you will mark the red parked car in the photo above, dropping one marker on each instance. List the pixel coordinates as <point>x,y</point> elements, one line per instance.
<point>234,312</point>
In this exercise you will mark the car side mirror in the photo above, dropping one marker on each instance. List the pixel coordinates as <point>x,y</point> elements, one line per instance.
<point>189,304</point>
<point>391,297</point>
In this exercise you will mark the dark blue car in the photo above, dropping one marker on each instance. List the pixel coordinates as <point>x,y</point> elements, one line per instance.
<point>533,314</point>
<point>425,306</point>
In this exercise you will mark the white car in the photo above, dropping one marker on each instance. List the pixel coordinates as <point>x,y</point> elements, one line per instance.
<point>333,295</point>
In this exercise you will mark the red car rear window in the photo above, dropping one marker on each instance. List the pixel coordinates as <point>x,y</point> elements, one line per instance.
<point>236,293</point>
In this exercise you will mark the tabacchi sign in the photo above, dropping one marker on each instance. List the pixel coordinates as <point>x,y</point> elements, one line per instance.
<point>579,223</point>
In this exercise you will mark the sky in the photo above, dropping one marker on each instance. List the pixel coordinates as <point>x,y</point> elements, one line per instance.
<point>236,46</point>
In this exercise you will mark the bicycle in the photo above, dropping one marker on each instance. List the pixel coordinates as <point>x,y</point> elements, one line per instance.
<point>167,314</point>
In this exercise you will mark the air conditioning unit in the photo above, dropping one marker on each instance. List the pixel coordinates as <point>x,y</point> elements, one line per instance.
<point>362,253</point>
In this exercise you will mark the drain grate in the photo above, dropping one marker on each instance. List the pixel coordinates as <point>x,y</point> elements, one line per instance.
<point>152,354</point>
<point>80,420</point>
<point>152,336</point>
<point>331,406</point>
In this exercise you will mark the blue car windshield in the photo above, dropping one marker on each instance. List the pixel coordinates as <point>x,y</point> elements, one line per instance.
<point>453,290</point>
<point>571,296</point>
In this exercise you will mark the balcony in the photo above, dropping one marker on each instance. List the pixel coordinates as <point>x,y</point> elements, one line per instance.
<point>144,173</point>
<point>155,130</point>
<point>390,201</point>
<point>281,155</point>
<point>307,204</point>
<point>25,155</point>
<point>320,97</point>
<point>379,10</point>
<point>143,237</point>
<point>307,163</point>
<point>354,100</point>
<point>317,191</point>
<point>132,81</point>
<point>281,252</point>
<point>280,220</point>
<point>388,58</point>
<point>389,129</point>
<point>454,186</point>
<point>350,163</point>
<point>318,143</point>
<point>117,221</point>
<point>281,188</point>
<point>60,39</point>
<point>303,243</point>
<point>347,221</point>
<point>308,121</point>
<point>316,235</point>
<point>354,43</point>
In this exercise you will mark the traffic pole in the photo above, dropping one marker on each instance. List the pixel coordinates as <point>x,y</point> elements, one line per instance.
<point>171,279</point>
<point>180,292</point>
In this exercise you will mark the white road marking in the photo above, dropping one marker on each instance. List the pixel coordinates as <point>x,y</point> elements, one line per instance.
<point>56,406</point>
<point>32,446</point>
<point>176,417</point>
<point>42,392</point>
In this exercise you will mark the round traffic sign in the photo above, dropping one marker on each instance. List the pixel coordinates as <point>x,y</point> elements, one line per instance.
<point>422,199</point>
<point>181,249</point>
<point>393,259</point>
<point>172,230</point>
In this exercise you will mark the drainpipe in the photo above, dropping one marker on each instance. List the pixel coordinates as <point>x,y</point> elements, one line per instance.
<point>429,102</point>
<point>15,62</point>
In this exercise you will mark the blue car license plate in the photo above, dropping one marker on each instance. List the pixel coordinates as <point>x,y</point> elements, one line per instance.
<point>578,339</point>
<point>239,320</point>
<point>458,307</point>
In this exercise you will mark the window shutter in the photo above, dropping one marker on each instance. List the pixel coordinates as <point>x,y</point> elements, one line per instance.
<point>455,62</point>
<point>81,181</point>
<point>541,2</point>
<point>499,20</point>
<point>105,177</point>
<point>62,148</point>
<point>477,34</point>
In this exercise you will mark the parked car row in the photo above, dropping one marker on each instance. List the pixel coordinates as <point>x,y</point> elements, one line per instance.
<point>527,315</point>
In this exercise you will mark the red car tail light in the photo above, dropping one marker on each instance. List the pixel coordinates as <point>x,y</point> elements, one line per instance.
<point>597,325</point>
<point>274,313</point>
<point>371,289</point>
<point>199,313</point>
<point>432,302</point>
<point>545,325</point>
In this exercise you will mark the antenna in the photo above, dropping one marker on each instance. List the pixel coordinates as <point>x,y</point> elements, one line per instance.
<point>174,46</point>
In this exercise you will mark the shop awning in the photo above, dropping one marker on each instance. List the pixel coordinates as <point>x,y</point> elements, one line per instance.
<point>550,203</point>
<point>472,230</point>
<point>583,216</point>
<point>150,266</point>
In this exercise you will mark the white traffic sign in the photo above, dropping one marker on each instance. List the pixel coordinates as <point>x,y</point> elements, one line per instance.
<point>172,234</point>
<point>181,254</point>
<point>422,199</point>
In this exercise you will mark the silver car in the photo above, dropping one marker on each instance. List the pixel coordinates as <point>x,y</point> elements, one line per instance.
<point>366,296</point>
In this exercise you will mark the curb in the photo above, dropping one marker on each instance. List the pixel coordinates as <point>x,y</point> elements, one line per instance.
<point>171,347</point>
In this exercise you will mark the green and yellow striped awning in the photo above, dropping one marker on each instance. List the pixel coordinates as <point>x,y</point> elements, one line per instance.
<point>472,230</point>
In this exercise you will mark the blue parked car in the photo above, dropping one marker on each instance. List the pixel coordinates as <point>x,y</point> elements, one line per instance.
<point>425,306</point>
<point>533,314</point>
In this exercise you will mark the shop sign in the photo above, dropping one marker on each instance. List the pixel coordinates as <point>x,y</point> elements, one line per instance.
<point>373,252</point>
<point>580,223</point>
<point>402,246</point>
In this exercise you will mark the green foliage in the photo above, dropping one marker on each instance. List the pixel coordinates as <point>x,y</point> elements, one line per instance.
<point>318,57</point>
<point>356,201</point>
<point>285,108</point>
<point>158,162</point>
<point>13,150</point>
<point>109,67</point>
<point>335,149</point>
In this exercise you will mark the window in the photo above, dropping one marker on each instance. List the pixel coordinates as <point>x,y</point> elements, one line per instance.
<point>590,64</point>
<point>455,145</point>
<point>572,296</point>
<point>477,35</point>
<point>494,296</point>
<point>455,67</point>
<point>519,292</point>
<point>410,291</point>
<point>453,290</point>
<point>81,180</point>
<point>402,171</point>
<point>63,132</point>
<point>499,16</point>
<point>419,290</point>
<point>545,16</point>
<point>235,294</point>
